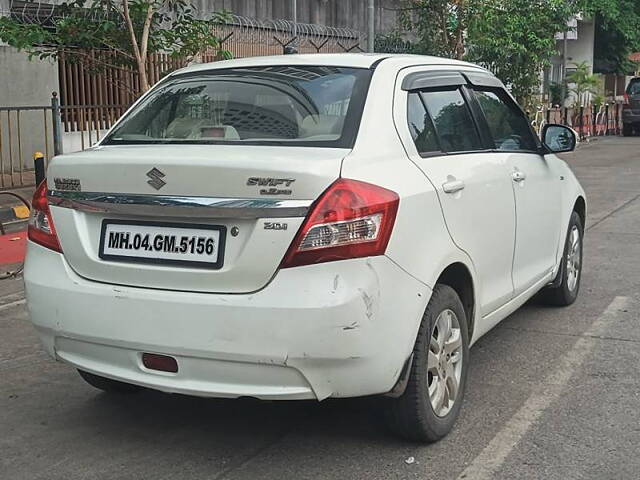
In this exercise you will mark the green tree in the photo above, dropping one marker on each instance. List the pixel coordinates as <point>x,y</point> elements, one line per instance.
<point>582,82</point>
<point>513,38</point>
<point>516,39</point>
<point>617,32</point>
<point>132,28</point>
<point>438,25</point>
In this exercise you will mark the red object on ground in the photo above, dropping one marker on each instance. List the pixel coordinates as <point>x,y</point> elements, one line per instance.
<point>13,247</point>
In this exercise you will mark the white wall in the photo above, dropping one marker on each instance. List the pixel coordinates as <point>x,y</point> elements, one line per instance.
<point>25,82</point>
<point>580,50</point>
<point>75,141</point>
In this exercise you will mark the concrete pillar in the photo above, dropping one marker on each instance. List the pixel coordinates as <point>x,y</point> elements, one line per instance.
<point>261,9</point>
<point>278,9</point>
<point>314,11</point>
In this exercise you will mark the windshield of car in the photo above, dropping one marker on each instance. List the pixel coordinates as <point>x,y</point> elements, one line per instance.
<point>282,105</point>
<point>634,87</point>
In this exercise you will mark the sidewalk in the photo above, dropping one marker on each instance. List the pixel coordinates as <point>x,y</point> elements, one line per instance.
<point>12,209</point>
<point>12,248</point>
<point>13,217</point>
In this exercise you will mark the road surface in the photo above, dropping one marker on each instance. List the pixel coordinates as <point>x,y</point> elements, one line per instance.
<point>552,394</point>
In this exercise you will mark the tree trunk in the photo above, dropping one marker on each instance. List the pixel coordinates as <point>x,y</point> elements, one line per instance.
<point>139,53</point>
<point>142,74</point>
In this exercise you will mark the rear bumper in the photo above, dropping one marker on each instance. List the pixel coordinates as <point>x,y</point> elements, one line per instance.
<point>338,329</point>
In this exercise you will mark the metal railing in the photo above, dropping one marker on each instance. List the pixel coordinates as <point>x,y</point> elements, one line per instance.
<point>18,145</point>
<point>101,77</point>
<point>48,129</point>
<point>587,121</point>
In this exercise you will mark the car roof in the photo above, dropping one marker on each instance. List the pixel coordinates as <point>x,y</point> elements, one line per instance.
<point>355,60</point>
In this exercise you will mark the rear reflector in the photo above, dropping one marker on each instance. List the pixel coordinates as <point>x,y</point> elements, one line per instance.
<point>162,363</point>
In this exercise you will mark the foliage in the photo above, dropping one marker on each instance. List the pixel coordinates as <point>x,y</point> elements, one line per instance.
<point>132,28</point>
<point>515,39</point>
<point>392,43</point>
<point>598,101</point>
<point>438,25</point>
<point>617,32</point>
<point>557,93</point>
<point>582,83</point>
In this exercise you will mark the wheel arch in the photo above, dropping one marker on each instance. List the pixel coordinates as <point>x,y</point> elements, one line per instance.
<point>458,276</point>
<point>580,207</point>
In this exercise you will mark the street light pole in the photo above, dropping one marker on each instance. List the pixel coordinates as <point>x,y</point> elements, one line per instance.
<point>564,68</point>
<point>294,9</point>
<point>370,26</point>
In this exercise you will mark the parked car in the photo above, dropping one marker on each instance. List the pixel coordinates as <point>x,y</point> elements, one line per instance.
<point>631,108</point>
<point>305,227</point>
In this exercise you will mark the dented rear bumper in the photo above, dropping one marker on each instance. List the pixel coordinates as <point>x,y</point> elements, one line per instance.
<point>338,329</point>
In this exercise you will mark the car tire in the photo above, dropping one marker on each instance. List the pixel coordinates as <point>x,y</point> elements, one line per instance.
<point>107,384</point>
<point>627,129</point>
<point>413,415</point>
<point>565,289</point>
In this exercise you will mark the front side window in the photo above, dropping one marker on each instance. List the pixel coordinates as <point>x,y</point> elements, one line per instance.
<point>281,105</point>
<point>452,120</point>
<point>508,126</point>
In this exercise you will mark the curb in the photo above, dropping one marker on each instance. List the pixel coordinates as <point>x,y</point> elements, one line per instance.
<point>13,213</point>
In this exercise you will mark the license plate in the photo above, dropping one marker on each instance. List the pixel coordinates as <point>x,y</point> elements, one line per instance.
<point>163,243</point>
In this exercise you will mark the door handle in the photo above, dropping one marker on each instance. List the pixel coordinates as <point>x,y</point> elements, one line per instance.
<point>518,176</point>
<point>453,186</point>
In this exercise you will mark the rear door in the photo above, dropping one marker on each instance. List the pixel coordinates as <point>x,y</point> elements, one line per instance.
<point>536,187</point>
<point>474,187</point>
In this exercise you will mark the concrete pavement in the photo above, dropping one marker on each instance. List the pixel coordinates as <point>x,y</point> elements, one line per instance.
<point>553,393</point>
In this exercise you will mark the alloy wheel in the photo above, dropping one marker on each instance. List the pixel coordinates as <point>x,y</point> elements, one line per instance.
<point>574,259</point>
<point>444,362</point>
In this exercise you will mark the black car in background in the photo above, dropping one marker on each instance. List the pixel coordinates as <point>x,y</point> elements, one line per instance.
<point>631,109</point>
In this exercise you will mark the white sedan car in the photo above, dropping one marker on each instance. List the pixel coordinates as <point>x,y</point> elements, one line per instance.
<point>304,227</point>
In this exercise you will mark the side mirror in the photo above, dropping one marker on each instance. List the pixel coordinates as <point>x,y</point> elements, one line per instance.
<point>559,138</point>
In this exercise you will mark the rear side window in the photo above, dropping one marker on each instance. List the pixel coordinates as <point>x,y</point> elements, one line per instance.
<point>420,125</point>
<point>634,87</point>
<point>508,126</point>
<point>278,105</point>
<point>452,120</point>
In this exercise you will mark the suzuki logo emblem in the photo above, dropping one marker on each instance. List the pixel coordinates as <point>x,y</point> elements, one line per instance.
<point>155,178</point>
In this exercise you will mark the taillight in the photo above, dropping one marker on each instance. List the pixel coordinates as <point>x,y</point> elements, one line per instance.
<point>351,219</point>
<point>41,229</point>
<point>625,102</point>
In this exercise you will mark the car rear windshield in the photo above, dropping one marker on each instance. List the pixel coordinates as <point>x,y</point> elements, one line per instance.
<point>634,87</point>
<point>279,105</point>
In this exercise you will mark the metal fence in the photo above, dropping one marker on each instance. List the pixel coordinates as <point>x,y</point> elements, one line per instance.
<point>589,121</point>
<point>100,78</point>
<point>47,129</point>
<point>23,130</point>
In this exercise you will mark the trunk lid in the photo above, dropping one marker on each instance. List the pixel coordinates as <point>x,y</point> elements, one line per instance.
<point>255,180</point>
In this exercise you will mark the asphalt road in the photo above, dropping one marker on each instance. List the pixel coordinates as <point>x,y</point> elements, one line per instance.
<point>553,393</point>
